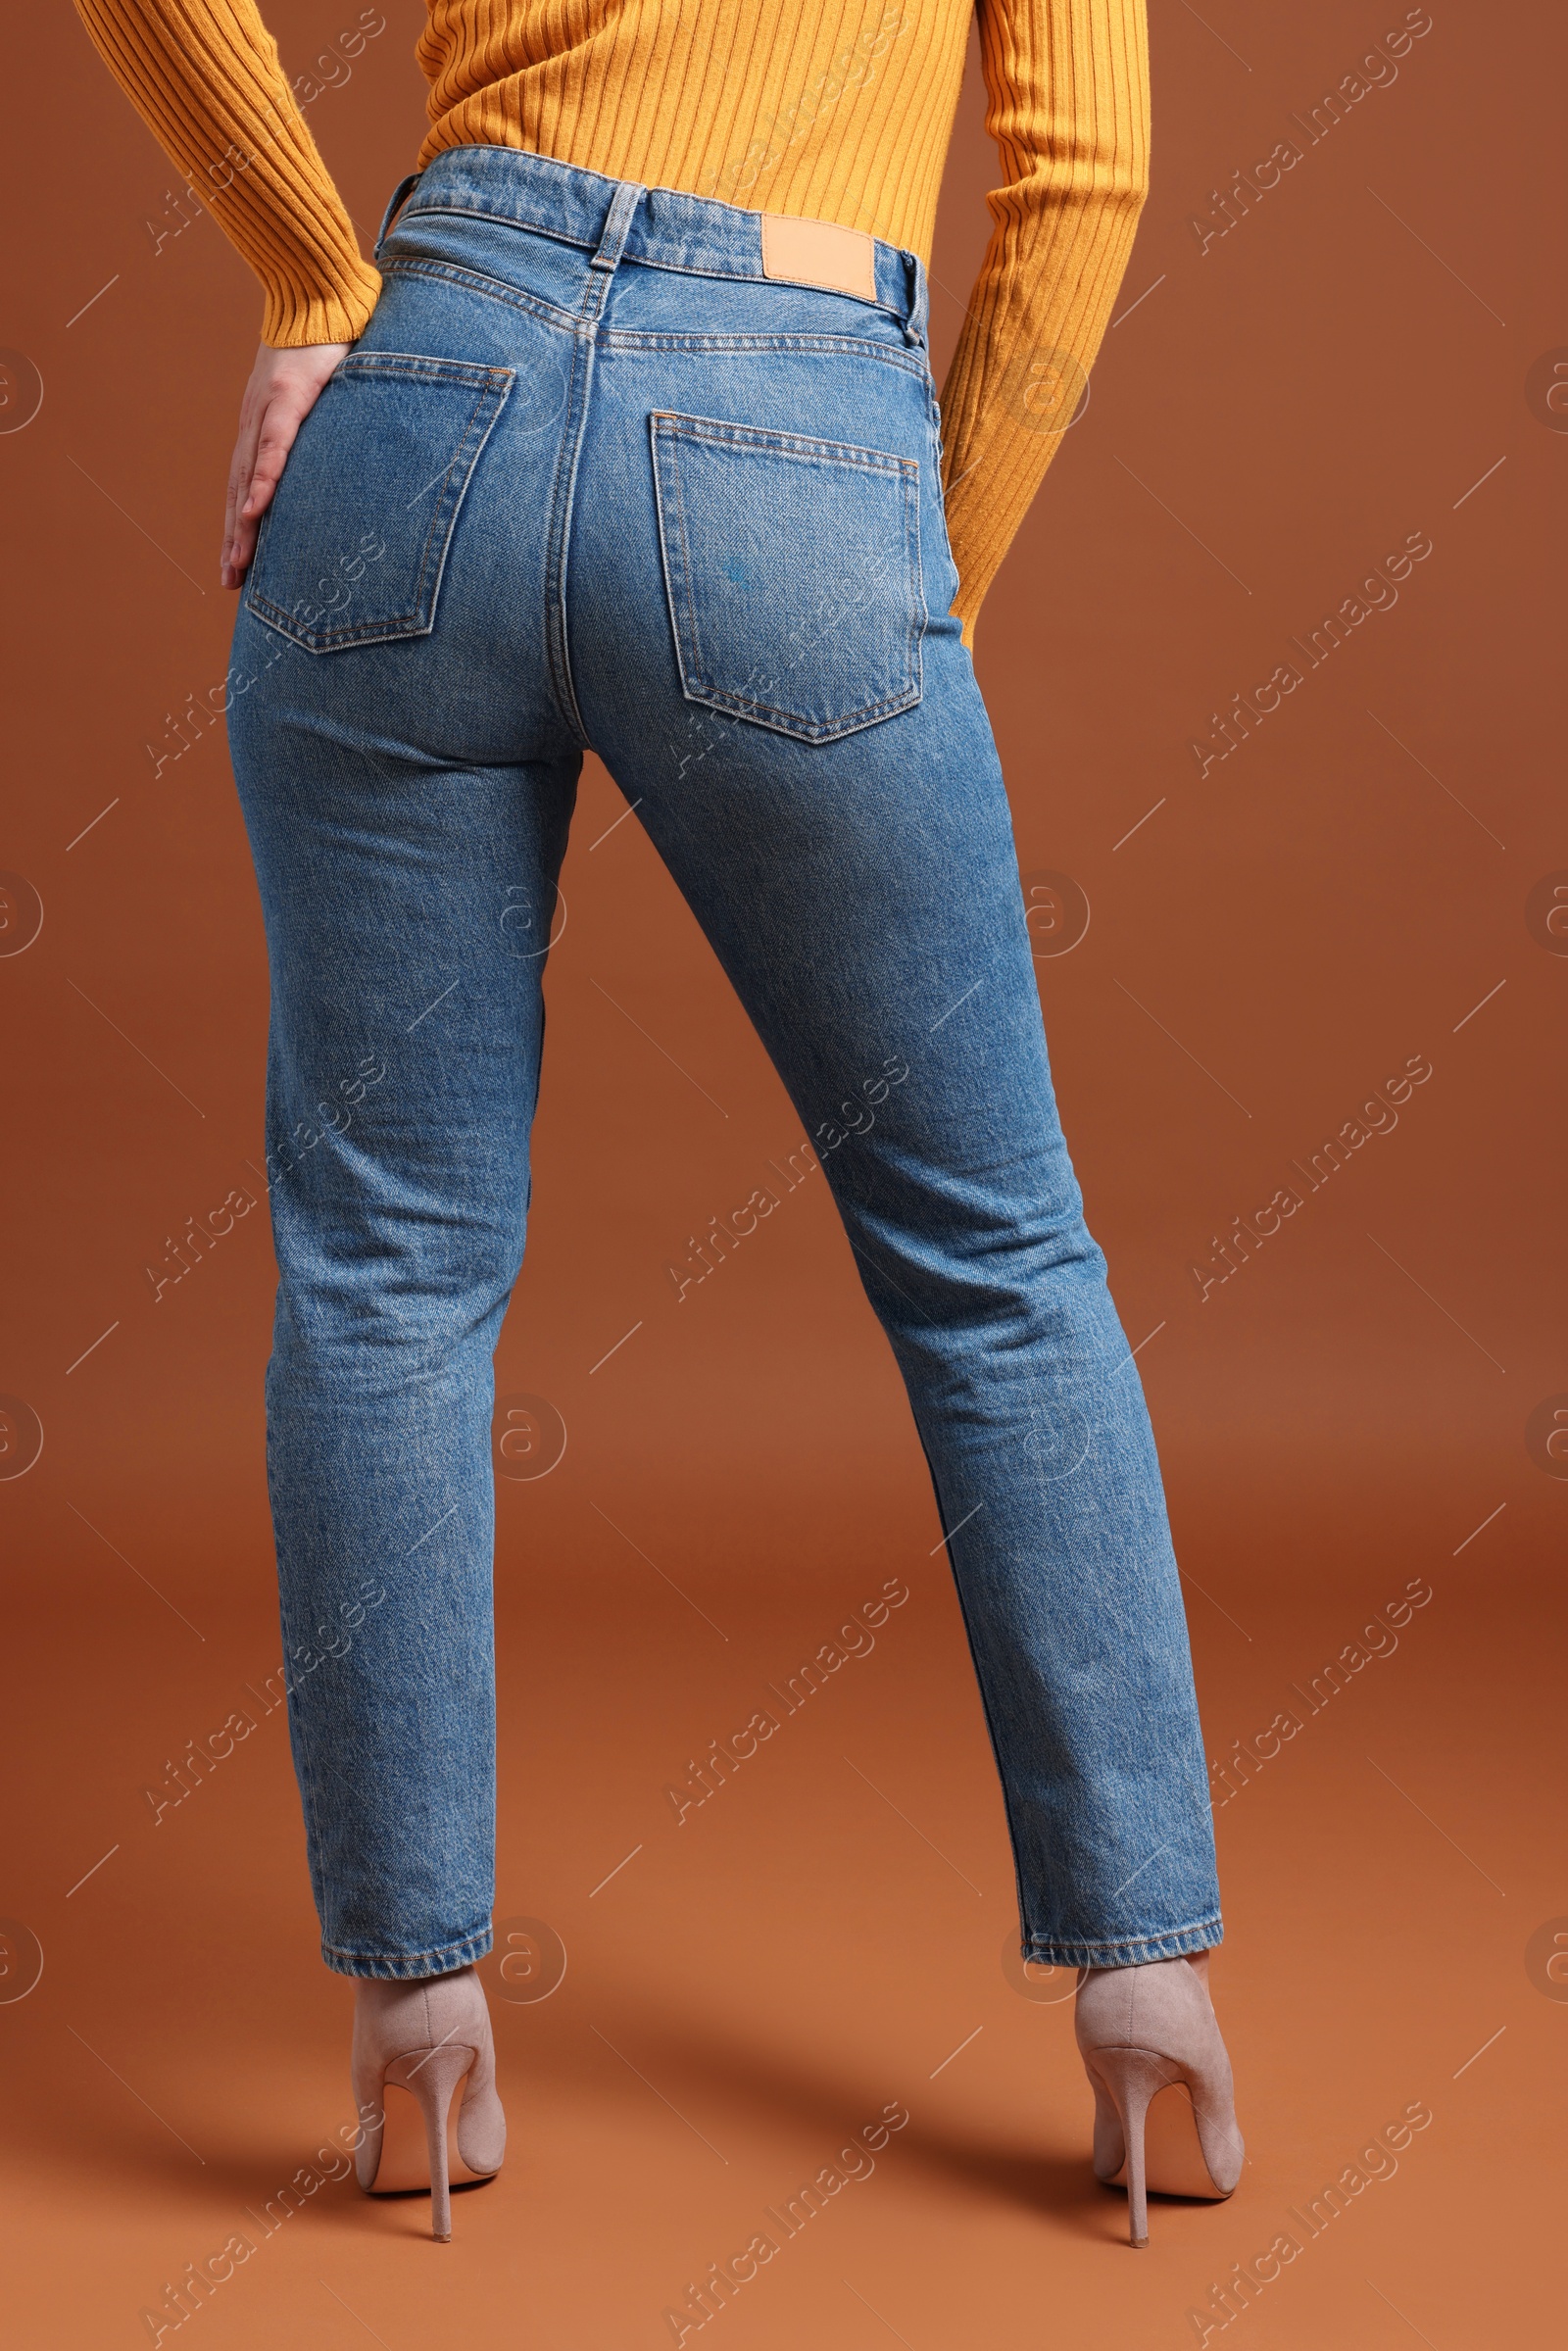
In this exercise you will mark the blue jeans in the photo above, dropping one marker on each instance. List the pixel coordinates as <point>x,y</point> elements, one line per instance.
<point>591,477</point>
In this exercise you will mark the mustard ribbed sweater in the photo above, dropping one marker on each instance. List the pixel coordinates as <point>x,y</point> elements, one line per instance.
<point>834,110</point>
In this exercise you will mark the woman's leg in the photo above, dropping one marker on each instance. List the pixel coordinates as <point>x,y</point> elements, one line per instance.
<point>408,871</point>
<point>874,928</point>
<point>862,894</point>
<point>407,781</point>
<point>877,937</point>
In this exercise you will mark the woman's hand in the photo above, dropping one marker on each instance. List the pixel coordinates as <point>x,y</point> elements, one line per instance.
<point>284,388</point>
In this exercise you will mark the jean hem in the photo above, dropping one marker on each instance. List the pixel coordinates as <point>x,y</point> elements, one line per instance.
<point>443,1962</point>
<point>1135,1951</point>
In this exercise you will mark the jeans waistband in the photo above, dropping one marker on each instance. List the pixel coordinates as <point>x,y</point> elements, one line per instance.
<point>661,228</point>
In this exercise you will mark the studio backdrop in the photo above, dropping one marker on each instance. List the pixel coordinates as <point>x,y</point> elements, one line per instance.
<point>1274,668</point>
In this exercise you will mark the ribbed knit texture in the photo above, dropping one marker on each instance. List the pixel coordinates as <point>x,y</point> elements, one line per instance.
<point>831,110</point>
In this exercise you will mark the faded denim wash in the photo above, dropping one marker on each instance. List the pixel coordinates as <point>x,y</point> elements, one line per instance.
<point>590,478</point>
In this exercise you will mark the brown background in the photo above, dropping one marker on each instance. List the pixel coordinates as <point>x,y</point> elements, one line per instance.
<point>1269,418</point>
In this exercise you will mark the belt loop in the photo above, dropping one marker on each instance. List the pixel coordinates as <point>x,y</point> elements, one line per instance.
<point>400,196</point>
<point>618,220</point>
<point>600,268</point>
<point>918,301</point>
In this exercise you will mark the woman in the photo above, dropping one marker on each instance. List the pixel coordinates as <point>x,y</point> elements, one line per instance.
<point>629,441</point>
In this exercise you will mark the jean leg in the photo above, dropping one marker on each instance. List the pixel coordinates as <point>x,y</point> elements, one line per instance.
<point>864,898</point>
<point>408,902</point>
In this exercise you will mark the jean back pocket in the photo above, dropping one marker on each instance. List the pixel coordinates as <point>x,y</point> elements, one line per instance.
<point>793,571</point>
<point>352,548</point>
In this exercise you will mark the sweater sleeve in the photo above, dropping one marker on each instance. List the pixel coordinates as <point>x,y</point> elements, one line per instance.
<point>204,76</point>
<point>1067,86</point>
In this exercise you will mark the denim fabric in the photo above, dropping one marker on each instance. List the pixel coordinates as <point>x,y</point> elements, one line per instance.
<point>591,478</point>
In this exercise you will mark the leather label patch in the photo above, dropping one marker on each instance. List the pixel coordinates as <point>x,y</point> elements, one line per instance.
<point>818,253</point>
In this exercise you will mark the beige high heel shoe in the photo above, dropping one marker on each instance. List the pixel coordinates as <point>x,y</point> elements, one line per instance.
<point>1164,2108</point>
<point>424,2082</point>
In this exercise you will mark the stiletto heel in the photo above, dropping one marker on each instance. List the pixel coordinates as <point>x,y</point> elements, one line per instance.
<point>1129,2079</point>
<point>1164,2110</point>
<point>429,2042</point>
<point>432,2081</point>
